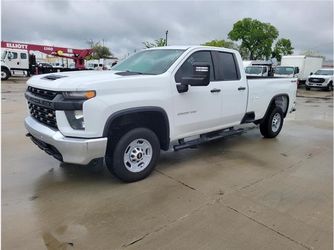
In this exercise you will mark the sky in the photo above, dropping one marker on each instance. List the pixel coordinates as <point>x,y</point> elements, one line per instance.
<point>123,26</point>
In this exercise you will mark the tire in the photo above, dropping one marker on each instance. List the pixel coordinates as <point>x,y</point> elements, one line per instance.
<point>5,74</point>
<point>307,88</point>
<point>330,86</point>
<point>135,155</point>
<point>272,124</point>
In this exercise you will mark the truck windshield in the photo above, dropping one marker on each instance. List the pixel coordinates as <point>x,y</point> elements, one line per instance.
<point>150,62</point>
<point>3,54</point>
<point>284,70</point>
<point>326,72</point>
<point>253,70</point>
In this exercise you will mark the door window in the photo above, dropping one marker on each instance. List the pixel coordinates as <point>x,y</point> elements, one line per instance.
<point>226,67</point>
<point>23,56</point>
<point>14,55</point>
<point>187,67</point>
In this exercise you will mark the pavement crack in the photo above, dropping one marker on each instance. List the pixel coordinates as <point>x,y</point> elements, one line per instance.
<point>137,240</point>
<point>181,182</point>
<point>209,203</point>
<point>270,176</point>
<point>272,229</point>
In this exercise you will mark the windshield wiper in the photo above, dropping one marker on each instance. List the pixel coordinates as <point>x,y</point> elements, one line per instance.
<point>128,73</point>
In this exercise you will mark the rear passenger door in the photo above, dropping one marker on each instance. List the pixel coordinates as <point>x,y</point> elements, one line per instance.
<point>233,89</point>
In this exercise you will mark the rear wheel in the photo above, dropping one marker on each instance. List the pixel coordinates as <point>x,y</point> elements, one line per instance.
<point>272,124</point>
<point>5,74</point>
<point>135,155</point>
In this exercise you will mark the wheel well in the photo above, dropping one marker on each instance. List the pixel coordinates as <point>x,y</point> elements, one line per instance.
<point>124,121</point>
<point>4,67</point>
<point>281,101</point>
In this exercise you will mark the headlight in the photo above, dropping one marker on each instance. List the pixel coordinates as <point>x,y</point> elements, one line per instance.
<point>75,119</point>
<point>79,95</point>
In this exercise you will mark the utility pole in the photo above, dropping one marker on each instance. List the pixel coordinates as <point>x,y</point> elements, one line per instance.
<point>166,37</point>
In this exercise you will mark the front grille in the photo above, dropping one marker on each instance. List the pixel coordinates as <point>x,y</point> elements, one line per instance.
<point>43,115</point>
<point>316,80</point>
<point>47,94</point>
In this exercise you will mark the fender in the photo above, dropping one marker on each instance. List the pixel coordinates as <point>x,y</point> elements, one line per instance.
<point>128,111</point>
<point>273,100</point>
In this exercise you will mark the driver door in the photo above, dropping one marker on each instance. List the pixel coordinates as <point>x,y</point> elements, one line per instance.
<point>197,110</point>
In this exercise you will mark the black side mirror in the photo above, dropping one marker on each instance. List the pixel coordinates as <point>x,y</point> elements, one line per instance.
<point>200,77</point>
<point>311,73</point>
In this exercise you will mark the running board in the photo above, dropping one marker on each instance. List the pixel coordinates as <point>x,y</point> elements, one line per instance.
<point>208,137</point>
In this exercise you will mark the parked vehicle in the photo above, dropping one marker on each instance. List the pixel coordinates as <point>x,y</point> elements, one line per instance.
<point>14,62</point>
<point>16,59</point>
<point>257,70</point>
<point>160,98</point>
<point>44,68</point>
<point>286,71</point>
<point>322,78</point>
<point>305,64</point>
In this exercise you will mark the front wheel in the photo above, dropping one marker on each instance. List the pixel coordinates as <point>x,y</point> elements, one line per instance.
<point>330,86</point>
<point>272,124</point>
<point>135,155</point>
<point>5,74</point>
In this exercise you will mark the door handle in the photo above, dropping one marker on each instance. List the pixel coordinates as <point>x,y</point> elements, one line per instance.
<point>215,90</point>
<point>241,88</point>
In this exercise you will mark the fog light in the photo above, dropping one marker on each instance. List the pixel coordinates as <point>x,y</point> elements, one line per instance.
<point>75,119</point>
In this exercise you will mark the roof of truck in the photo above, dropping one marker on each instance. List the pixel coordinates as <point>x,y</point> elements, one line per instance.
<point>190,47</point>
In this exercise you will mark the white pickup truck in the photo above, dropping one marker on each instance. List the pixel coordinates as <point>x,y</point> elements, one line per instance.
<point>165,98</point>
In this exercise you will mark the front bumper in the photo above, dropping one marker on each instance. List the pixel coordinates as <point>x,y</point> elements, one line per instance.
<point>316,85</point>
<point>71,150</point>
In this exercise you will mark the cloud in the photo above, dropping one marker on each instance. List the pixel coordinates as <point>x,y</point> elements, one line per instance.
<point>125,25</point>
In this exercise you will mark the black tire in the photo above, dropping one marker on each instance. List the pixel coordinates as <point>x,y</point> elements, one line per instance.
<point>330,86</point>
<point>5,74</point>
<point>307,88</point>
<point>115,159</point>
<point>266,126</point>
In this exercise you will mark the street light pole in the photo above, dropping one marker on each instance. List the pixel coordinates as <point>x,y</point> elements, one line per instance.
<point>166,37</point>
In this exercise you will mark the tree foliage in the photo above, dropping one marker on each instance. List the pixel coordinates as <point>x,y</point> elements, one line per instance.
<point>99,51</point>
<point>282,47</point>
<point>157,43</point>
<point>256,37</point>
<point>222,43</point>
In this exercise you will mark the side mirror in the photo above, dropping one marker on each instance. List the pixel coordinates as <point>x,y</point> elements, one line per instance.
<point>296,70</point>
<point>199,77</point>
<point>311,73</point>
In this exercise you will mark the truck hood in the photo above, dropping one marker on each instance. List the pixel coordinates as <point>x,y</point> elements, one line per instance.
<point>77,80</point>
<point>320,76</point>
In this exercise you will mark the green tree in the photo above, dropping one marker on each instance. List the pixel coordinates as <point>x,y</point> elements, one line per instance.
<point>282,47</point>
<point>221,43</point>
<point>157,43</point>
<point>256,37</point>
<point>99,51</point>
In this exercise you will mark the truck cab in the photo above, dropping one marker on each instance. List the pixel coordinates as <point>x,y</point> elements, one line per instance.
<point>286,71</point>
<point>257,70</point>
<point>14,62</point>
